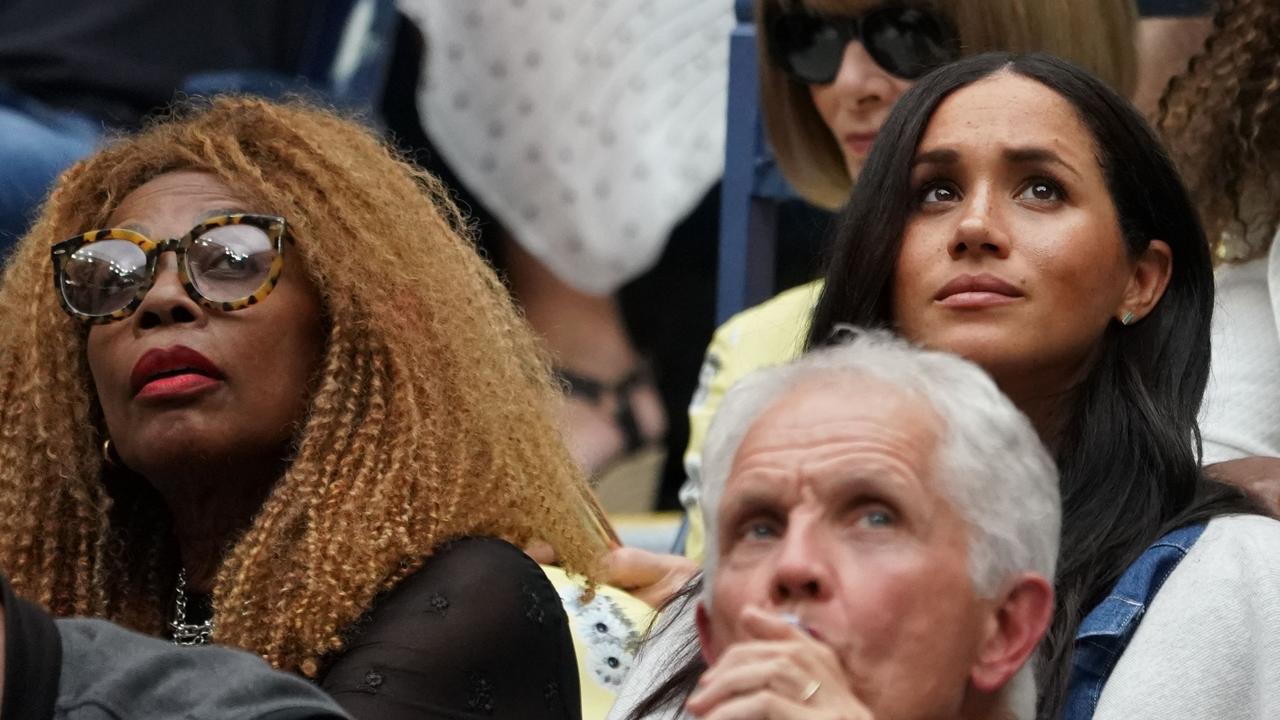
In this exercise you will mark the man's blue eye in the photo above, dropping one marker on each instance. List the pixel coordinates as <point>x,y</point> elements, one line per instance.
<point>760,530</point>
<point>878,518</point>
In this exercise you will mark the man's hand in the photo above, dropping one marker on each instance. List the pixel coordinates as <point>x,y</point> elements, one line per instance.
<point>541,552</point>
<point>781,674</point>
<point>652,577</point>
<point>1258,476</point>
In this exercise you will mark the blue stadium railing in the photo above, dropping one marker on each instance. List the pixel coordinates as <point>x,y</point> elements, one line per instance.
<point>751,190</point>
<point>752,187</point>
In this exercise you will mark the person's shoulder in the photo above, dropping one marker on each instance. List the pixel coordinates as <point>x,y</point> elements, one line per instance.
<point>770,333</point>
<point>482,550</point>
<point>473,568</point>
<point>468,589</point>
<point>1232,565</point>
<point>1209,644</point>
<point>108,671</point>
<point>1242,546</point>
<point>481,622</point>
<point>784,317</point>
<point>1231,573</point>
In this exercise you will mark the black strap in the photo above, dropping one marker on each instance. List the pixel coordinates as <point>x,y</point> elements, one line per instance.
<point>32,659</point>
<point>595,391</point>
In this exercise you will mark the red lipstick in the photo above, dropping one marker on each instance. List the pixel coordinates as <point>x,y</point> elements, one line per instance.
<point>977,291</point>
<point>173,372</point>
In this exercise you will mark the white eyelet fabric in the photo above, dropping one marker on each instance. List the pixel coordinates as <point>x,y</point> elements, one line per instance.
<point>589,128</point>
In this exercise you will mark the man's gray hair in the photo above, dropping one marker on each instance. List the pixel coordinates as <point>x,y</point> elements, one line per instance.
<point>990,462</point>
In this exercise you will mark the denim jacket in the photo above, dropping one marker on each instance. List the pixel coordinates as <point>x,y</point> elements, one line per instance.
<point>1106,631</point>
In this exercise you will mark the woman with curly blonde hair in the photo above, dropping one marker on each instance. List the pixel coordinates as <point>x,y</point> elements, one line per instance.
<point>312,411</point>
<point>1221,122</point>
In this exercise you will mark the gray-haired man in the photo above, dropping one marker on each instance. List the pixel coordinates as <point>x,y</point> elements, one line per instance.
<point>882,528</point>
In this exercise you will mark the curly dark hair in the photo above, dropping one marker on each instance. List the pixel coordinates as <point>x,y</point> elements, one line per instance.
<point>1221,121</point>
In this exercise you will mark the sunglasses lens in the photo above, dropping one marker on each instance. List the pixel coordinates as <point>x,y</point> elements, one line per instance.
<point>810,48</point>
<point>909,42</point>
<point>230,262</point>
<point>103,277</point>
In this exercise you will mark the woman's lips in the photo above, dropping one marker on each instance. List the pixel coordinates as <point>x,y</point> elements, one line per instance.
<point>172,373</point>
<point>977,291</point>
<point>859,143</point>
<point>172,387</point>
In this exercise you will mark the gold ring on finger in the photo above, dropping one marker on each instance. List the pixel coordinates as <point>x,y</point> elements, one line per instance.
<point>810,690</point>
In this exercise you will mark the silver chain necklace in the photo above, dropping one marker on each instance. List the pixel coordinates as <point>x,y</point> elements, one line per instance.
<point>182,632</point>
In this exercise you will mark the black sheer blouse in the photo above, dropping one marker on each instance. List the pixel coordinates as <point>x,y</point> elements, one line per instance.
<point>478,632</point>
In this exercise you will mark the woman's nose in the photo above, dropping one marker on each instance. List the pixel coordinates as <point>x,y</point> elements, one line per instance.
<point>862,81</point>
<point>979,230</point>
<point>167,302</point>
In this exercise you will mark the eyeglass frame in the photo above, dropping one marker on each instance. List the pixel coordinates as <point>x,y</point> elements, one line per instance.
<point>851,28</point>
<point>275,227</point>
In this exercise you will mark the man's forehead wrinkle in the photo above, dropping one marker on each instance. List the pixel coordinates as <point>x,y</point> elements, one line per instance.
<point>860,450</point>
<point>794,431</point>
<point>793,443</point>
<point>832,465</point>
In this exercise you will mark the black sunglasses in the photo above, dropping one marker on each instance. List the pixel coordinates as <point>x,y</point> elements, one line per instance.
<point>906,41</point>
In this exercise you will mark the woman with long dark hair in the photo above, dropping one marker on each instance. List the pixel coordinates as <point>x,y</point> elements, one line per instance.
<point>826,92</point>
<point>1105,345</point>
<point>1018,212</point>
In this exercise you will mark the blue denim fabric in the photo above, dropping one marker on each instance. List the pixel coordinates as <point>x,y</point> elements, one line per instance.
<point>37,142</point>
<point>1106,631</point>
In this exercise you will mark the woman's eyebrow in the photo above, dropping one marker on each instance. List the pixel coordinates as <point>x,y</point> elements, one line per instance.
<point>1026,155</point>
<point>941,156</point>
<point>217,212</point>
<point>1017,155</point>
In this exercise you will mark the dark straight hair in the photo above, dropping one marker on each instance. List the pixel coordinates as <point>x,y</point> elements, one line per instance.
<point>1128,453</point>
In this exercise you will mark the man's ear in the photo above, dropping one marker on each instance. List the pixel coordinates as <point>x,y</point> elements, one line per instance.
<point>1021,617</point>
<point>1148,281</point>
<point>706,638</point>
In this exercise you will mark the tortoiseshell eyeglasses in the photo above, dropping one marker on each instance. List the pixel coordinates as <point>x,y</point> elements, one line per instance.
<point>226,263</point>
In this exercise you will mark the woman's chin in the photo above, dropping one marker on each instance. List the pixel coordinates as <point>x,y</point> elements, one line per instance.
<point>987,345</point>
<point>172,452</point>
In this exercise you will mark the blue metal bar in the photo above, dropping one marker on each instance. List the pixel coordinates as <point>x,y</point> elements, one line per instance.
<point>747,222</point>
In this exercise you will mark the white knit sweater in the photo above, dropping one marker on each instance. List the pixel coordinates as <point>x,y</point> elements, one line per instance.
<point>1209,644</point>
<point>1240,415</point>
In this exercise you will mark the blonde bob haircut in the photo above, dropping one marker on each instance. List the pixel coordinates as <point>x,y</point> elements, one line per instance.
<point>1096,34</point>
<point>430,417</point>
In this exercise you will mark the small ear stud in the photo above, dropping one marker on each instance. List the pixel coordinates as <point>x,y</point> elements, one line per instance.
<point>1127,319</point>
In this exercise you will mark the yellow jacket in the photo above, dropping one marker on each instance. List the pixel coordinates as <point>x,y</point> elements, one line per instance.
<point>770,333</point>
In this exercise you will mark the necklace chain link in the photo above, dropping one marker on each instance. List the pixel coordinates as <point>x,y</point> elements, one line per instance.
<point>183,632</point>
